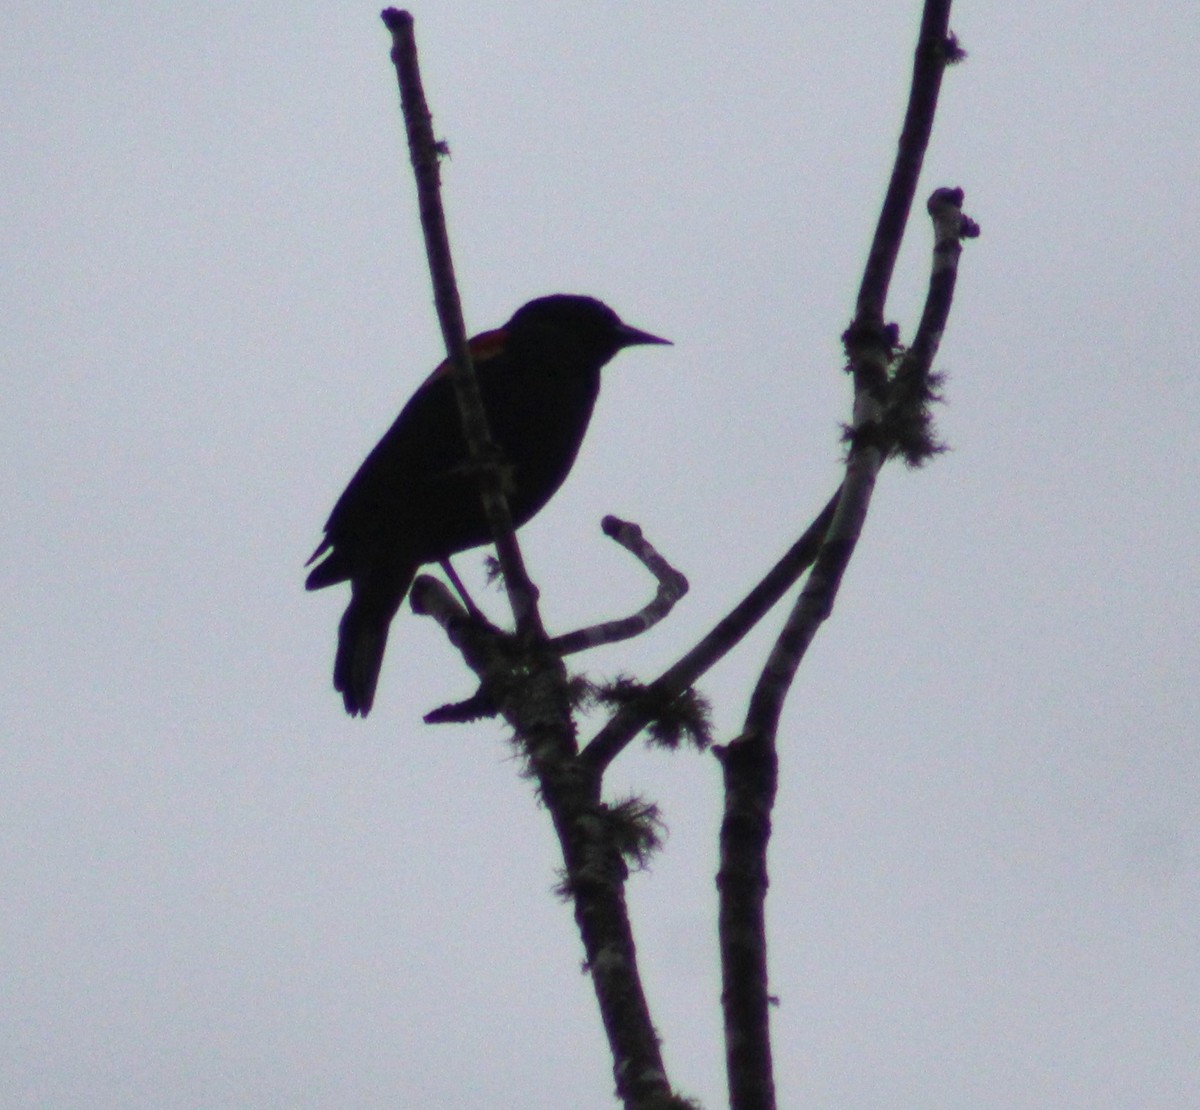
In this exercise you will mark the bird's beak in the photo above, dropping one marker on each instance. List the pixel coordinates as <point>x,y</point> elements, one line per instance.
<point>632,337</point>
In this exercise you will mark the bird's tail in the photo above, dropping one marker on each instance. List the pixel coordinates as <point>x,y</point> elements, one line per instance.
<point>362,638</point>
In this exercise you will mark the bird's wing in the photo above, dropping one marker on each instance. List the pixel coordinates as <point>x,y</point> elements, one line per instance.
<point>423,448</point>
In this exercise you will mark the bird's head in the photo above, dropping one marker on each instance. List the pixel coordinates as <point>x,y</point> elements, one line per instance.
<point>587,321</point>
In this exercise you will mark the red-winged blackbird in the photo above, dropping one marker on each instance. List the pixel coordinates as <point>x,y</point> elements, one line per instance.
<point>414,500</point>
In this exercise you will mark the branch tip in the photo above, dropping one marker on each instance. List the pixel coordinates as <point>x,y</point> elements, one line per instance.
<point>395,19</point>
<point>951,223</point>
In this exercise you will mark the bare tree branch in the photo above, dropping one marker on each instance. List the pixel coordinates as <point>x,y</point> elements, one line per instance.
<point>671,587</point>
<point>524,678</point>
<point>536,705</point>
<point>908,420</point>
<point>950,228</point>
<point>426,152</point>
<point>936,47</point>
<point>750,763</point>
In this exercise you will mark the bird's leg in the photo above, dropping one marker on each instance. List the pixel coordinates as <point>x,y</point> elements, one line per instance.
<point>456,582</point>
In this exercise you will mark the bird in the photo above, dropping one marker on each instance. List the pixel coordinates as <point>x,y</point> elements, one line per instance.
<point>414,500</point>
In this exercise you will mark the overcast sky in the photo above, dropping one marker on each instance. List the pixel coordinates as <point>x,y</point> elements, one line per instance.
<point>217,890</point>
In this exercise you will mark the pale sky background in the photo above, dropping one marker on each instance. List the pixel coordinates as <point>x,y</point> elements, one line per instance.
<point>216,890</point>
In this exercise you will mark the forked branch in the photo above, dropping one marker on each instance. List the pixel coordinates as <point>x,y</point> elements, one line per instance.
<point>750,763</point>
<point>616,735</point>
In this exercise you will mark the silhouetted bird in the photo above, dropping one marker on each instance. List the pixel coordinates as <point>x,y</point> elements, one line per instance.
<point>414,501</point>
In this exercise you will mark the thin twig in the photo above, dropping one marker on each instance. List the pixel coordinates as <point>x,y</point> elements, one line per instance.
<point>908,420</point>
<point>671,587</point>
<point>472,633</point>
<point>935,47</point>
<point>485,457</point>
<point>950,228</point>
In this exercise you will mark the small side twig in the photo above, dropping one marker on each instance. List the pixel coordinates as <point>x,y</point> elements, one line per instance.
<point>479,641</point>
<point>908,421</point>
<point>671,587</point>
<point>485,647</point>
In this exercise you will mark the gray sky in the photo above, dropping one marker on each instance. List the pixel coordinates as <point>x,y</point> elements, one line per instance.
<point>219,891</point>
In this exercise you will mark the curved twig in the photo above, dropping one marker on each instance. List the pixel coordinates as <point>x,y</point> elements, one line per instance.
<point>671,587</point>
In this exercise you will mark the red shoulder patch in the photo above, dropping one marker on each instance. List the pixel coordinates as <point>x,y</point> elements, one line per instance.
<point>485,345</point>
